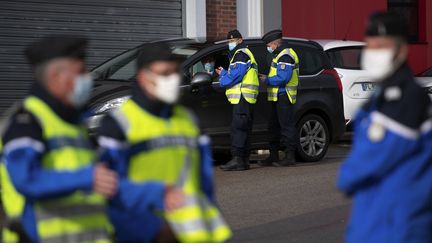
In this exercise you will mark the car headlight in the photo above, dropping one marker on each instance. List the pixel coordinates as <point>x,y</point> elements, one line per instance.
<point>94,121</point>
<point>111,104</point>
<point>100,111</point>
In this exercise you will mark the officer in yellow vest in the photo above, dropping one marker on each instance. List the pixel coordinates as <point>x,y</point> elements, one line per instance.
<point>242,87</point>
<point>49,159</point>
<point>11,208</point>
<point>164,168</point>
<point>282,83</point>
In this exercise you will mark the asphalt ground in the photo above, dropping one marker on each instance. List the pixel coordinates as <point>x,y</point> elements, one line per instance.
<point>291,204</point>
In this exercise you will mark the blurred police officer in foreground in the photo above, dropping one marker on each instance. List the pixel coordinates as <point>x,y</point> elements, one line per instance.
<point>389,170</point>
<point>48,156</point>
<point>282,83</point>
<point>242,86</point>
<point>162,162</point>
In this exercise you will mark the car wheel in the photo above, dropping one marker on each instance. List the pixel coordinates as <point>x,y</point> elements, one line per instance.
<point>313,138</point>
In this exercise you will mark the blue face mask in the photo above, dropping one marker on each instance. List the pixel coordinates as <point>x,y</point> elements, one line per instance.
<point>82,90</point>
<point>269,49</point>
<point>209,67</point>
<point>232,45</point>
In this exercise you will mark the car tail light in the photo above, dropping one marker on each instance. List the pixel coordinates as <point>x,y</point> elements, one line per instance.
<point>333,73</point>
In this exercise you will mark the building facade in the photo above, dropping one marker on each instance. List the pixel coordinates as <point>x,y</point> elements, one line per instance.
<point>346,19</point>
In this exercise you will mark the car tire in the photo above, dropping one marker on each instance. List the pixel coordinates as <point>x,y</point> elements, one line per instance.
<point>313,138</point>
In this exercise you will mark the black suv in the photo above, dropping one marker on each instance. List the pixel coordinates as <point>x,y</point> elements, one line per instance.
<point>318,111</point>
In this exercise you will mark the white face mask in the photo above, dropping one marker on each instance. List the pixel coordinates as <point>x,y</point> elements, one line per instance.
<point>82,90</point>
<point>167,88</point>
<point>379,63</point>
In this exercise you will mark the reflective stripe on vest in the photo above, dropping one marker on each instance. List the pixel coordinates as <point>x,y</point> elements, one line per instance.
<point>9,236</point>
<point>13,204</point>
<point>79,216</point>
<point>12,201</point>
<point>249,86</point>
<point>156,155</point>
<point>197,220</point>
<point>292,84</point>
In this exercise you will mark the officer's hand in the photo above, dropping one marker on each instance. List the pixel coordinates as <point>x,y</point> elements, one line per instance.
<point>262,77</point>
<point>174,198</point>
<point>105,181</point>
<point>219,70</point>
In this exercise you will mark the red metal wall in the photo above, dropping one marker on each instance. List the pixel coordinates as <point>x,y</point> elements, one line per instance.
<point>339,19</point>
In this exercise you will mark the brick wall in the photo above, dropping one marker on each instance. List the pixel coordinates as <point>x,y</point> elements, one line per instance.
<point>221,18</point>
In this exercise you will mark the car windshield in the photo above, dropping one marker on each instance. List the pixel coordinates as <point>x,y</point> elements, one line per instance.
<point>123,67</point>
<point>346,57</point>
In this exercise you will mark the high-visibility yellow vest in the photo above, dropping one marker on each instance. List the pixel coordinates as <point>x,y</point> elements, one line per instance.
<point>165,150</point>
<point>249,86</point>
<point>12,201</point>
<point>79,217</point>
<point>291,86</point>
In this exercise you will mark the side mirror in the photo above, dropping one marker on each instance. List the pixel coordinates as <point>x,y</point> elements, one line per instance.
<point>201,79</point>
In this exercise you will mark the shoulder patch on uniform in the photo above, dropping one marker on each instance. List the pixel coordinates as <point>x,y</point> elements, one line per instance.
<point>282,66</point>
<point>393,93</point>
<point>376,132</point>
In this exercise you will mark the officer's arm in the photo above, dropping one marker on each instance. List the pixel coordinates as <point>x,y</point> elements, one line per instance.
<point>206,167</point>
<point>236,71</point>
<point>375,154</point>
<point>23,152</point>
<point>139,197</point>
<point>285,67</point>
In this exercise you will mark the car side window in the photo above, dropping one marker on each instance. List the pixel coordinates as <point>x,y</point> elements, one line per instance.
<point>310,59</point>
<point>125,72</point>
<point>346,58</point>
<point>220,59</point>
<point>262,57</point>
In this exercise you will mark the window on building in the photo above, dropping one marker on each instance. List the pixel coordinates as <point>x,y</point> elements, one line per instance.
<point>410,10</point>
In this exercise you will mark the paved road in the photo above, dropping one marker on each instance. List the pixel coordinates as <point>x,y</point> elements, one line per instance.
<point>295,204</point>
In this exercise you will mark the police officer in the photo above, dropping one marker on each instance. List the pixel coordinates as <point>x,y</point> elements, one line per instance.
<point>48,156</point>
<point>242,86</point>
<point>282,82</point>
<point>389,169</point>
<point>154,145</point>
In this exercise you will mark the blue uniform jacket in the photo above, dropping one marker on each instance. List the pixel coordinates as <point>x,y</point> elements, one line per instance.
<point>23,149</point>
<point>237,68</point>
<point>284,69</point>
<point>389,170</point>
<point>132,211</point>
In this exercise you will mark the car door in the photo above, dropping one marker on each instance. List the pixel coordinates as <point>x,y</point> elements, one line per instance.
<point>357,84</point>
<point>262,107</point>
<point>209,103</point>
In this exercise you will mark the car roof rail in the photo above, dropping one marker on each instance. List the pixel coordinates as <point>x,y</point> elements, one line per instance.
<point>314,43</point>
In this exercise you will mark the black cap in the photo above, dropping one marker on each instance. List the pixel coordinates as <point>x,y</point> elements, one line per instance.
<point>387,24</point>
<point>153,52</point>
<point>272,35</point>
<point>234,34</point>
<point>56,46</point>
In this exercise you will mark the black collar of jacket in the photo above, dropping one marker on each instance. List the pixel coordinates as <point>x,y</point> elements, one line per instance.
<point>155,107</point>
<point>239,46</point>
<point>67,113</point>
<point>401,75</point>
<point>279,49</point>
